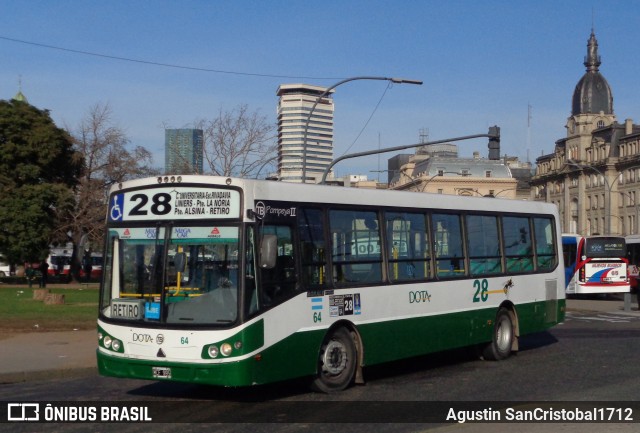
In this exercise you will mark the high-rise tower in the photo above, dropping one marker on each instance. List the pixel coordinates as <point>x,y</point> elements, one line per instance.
<point>294,106</point>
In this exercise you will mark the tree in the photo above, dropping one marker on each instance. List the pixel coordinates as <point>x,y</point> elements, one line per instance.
<point>107,160</point>
<point>38,171</point>
<point>238,143</point>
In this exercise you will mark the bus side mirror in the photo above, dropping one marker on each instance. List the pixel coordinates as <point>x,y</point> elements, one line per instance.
<point>180,260</point>
<point>268,250</point>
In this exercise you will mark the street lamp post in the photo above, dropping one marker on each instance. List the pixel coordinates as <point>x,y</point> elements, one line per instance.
<point>325,93</point>
<point>493,135</point>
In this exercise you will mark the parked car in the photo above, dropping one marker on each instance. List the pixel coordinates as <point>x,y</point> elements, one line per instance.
<point>5,269</point>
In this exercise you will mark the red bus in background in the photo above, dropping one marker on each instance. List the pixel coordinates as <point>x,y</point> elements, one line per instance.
<point>595,264</point>
<point>59,261</point>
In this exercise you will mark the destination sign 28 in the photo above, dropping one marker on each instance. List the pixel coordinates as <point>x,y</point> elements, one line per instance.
<point>174,203</point>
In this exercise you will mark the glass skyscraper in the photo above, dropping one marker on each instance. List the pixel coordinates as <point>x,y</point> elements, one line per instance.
<point>183,151</point>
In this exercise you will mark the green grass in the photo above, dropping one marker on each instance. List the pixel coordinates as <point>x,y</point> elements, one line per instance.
<point>19,312</point>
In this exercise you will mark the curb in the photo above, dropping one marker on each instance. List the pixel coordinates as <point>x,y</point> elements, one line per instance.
<point>64,373</point>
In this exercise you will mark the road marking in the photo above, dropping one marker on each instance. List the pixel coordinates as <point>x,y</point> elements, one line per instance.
<point>600,318</point>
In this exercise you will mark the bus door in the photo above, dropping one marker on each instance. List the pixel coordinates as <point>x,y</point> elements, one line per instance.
<point>569,254</point>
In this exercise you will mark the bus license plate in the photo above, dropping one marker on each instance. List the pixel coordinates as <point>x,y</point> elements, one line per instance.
<point>161,372</point>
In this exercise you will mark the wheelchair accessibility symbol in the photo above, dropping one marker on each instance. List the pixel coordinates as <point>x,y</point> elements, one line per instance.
<point>115,212</point>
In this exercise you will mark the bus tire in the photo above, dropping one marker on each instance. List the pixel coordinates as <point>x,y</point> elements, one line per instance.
<point>502,338</point>
<point>336,362</point>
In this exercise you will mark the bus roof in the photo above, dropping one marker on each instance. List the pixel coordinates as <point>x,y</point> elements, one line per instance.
<point>312,193</point>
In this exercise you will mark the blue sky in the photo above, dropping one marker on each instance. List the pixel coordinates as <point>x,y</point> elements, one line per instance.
<point>482,62</point>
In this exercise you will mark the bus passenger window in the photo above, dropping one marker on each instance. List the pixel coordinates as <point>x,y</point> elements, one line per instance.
<point>447,238</point>
<point>484,245</point>
<point>355,249</point>
<point>545,243</point>
<point>517,244</point>
<point>408,246</point>
<point>312,246</point>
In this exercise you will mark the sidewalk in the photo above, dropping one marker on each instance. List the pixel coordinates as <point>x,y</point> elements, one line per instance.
<point>613,303</point>
<point>47,355</point>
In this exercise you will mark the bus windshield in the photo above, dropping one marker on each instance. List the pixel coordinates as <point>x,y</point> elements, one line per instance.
<point>176,275</point>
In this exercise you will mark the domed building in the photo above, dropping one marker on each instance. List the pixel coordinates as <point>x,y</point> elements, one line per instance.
<point>593,175</point>
<point>592,93</point>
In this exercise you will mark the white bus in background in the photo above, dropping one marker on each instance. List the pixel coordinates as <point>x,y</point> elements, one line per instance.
<point>238,282</point>
<point>595,264</point>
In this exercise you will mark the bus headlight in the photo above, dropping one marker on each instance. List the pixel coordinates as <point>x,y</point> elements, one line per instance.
<point>106,341</point>
<point>213,351</point>
<point>115,345</point>
<point>225,349</point>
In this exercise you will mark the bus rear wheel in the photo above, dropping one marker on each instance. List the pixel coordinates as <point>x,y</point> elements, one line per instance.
<point>336,362</point>
<point>503,337</point>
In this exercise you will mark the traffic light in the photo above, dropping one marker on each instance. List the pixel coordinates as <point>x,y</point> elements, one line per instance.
<point>494,142</point>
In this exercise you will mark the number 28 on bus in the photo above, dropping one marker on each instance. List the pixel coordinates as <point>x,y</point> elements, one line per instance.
<point>237,282</point>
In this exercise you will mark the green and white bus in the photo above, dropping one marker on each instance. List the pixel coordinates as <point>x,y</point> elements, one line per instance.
<point>237,282</point>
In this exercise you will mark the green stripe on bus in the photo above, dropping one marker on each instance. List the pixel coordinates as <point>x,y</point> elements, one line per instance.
<point>297,355</point>
<point>251,339</point>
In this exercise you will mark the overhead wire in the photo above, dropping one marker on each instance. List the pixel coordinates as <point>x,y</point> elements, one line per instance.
<point>199,69</point>
<point>371,116</point>
<point>166,65</point>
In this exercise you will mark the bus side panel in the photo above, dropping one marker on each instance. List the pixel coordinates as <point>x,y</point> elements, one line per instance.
<point>393,340</point>
<point>294,356</point>
<point>539,316</point>
<point>397,339</point>
<point>389,341</point>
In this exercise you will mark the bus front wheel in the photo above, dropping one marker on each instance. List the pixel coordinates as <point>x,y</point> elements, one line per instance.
<point>336,363</point>
<point>503,337</point>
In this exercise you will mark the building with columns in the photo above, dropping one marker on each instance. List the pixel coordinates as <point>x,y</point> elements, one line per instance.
<point>593,174</point>
<point>438,169</point>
